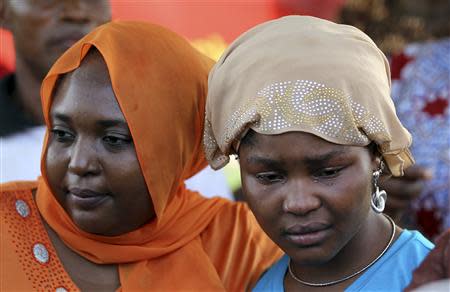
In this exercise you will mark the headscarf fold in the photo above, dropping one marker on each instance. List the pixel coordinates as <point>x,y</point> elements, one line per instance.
<point>301,73</point>
<point>160,83</point>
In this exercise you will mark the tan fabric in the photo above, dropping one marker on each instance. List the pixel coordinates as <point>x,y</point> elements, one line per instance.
<point>301,73</point>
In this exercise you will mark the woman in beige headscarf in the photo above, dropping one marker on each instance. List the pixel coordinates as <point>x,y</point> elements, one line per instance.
<point>305,105</point>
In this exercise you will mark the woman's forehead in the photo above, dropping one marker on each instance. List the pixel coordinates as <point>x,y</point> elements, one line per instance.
<point>293,141</point>
<point>88,90</point>
<point>93,67</point>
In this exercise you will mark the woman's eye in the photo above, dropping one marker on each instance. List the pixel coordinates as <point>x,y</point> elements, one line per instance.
<point>270,178</point>
<point>328,172</point>
<point>116,140</point>
<point>62,135</point>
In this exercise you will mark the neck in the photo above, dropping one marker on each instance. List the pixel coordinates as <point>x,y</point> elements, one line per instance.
<point>27,90</point>
<point>362,249</point>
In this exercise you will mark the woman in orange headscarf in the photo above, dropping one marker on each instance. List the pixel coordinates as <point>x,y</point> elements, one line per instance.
<point>124,111</point>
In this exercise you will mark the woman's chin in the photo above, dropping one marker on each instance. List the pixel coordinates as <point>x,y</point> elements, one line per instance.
<point>91,222</point>
<point>312,256</point>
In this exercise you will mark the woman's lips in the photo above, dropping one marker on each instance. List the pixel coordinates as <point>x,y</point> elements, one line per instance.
<point>85,199</point>
<point>308,234</point>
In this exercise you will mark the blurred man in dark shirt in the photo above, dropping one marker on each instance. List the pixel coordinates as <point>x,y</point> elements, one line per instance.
<point>42,30</point>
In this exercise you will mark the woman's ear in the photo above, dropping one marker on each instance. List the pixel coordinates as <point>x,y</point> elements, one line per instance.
<point>379,164</point>
<point>376,162</point>
<point>375,156</point>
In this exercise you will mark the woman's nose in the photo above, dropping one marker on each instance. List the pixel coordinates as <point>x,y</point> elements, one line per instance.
<point>84,158</point>
<point>301,198</point>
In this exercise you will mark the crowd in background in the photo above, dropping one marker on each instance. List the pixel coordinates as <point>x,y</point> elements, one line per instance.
<point>404,30</point>
<point>414,34</point>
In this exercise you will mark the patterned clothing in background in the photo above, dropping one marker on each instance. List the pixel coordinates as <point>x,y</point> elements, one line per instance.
<point>420,89</point>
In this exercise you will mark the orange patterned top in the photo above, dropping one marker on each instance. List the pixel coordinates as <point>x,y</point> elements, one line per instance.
<point>26,246</point>
<point>29,261</point>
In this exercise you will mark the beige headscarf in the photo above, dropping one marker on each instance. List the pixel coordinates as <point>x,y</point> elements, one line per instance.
<point>300,73</point>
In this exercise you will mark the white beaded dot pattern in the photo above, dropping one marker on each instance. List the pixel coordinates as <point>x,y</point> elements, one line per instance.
<point>40,253</point>
<point>22,208</point>
<point>300,105</point>
<point>313,106</point>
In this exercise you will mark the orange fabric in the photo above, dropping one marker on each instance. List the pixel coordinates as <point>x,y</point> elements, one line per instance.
<point>194,243</point>
<point>19,270</point>
<point>237,268</point>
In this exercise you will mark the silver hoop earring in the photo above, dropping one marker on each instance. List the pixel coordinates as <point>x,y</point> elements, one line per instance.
<point>379,197</point>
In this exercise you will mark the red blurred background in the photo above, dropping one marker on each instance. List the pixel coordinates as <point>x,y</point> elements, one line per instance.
<point>221,20</point>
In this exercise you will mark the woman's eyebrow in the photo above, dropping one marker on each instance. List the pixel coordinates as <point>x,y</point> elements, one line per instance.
<point>255,159</point>
<point>310,160</point>
<point>61,117</point>
<point>324,158</point>
<point>112,123</point>
<point>103,123</point>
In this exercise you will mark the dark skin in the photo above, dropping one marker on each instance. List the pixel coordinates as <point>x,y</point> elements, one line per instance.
<point>93,169</point>
<point>313,200</point>
<point>88,276</point>
<point>404,189</point>
<point>42,31</point>
<point>401,190</point>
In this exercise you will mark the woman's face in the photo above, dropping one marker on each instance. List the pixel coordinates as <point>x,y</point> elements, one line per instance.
<point>91,160</point>
<point>309,195</point>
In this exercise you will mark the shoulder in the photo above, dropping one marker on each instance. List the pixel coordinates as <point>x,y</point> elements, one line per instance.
<point>273,278</point>
<point>394,270</point>
<point>17,186</point>
<point>236,235</point>
<point>17,207</point>
<point>240,221</point>
<point>16,197</point>
<point>17,190</point>
<point>436,265</point>
<point>413,242</point>
<point>237,216</point>
<point>30,260</point>
<point>408,251</point>
<point>232,218</point>
<point>237,223</point>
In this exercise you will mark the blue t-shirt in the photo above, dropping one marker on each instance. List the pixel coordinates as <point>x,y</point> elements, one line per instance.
<point>392,272</point>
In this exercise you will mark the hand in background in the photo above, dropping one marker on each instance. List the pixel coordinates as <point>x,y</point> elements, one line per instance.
<point>403,190</point>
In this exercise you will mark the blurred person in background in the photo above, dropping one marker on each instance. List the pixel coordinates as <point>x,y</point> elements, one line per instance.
<point>415,35</point>
<point>326,9</point>
<point>42,31</point>
<point>3,70</point>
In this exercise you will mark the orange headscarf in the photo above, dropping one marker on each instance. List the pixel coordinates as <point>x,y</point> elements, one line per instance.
<point>160,84</point>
